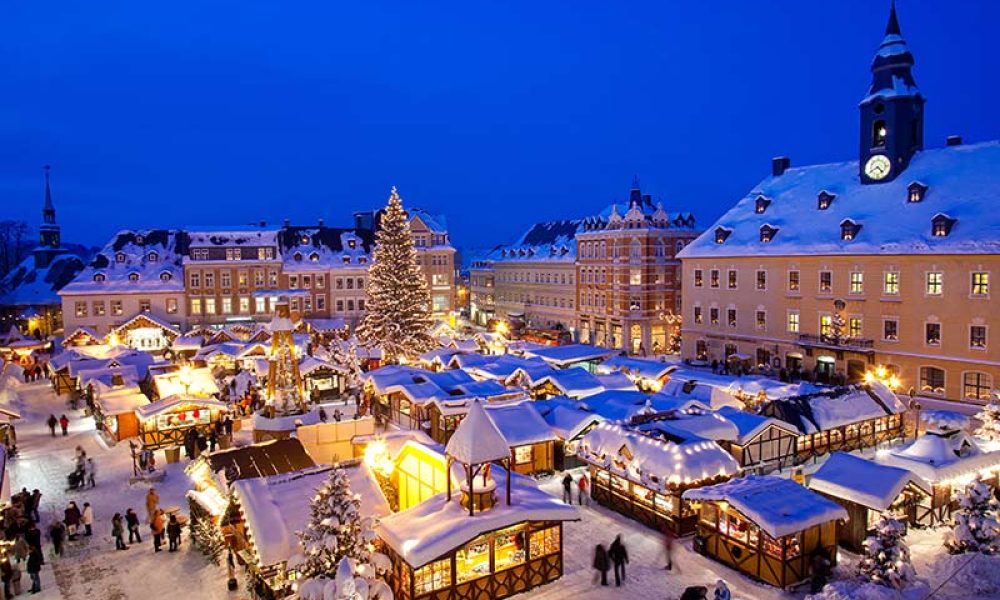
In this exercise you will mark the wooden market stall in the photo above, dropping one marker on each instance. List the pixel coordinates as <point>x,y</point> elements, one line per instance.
<point>645,478</point>
<point>529,437</point>
<point>845,418</point>
<point>183,380</point>
<point>419,474</point>
<point>322,378</point>
<point>947,461</point>
<point>763,444</point>
<point>115,412</point>
<point>163,424</point>
<point>569,424</point>
<point>867,490</point>
<point>472,544</point>
<point>648,375</point>
<point>145,332</point>
<point>766,527</point>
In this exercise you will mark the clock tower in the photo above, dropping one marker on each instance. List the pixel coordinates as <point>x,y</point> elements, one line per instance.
<point>892,114</point>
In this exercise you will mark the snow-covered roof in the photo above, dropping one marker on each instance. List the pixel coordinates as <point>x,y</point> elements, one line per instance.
<point>833,408</point>
<point>962,182</point>
<point>519,423</point>
<point>435,527</point>
<point>199,382</point>
<point>323,248</point>
<point>171,403</point>
<point>476,439</point>
<point>226,237</point>
<point>276,507</point>
<point>748,424</point>
<point>562,356</point>
<point>655,463</point>
<point>149,319</point>
<point>122,401</point>
<point>573,382</point>
<point>326,325</point>
<point>708,426</point>
<point>777,505</point>
<point>862,481</point>
<point>31,284</point>
<point>308,364</point>
<point>940,457</point>
<point>187,342</point>
<point>615,381</point>
<point>550,241</point>
<point>147,260</point>
<point>637,367</point>
<point>568,422</point>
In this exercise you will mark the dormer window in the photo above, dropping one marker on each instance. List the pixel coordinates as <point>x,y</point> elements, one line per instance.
<point>761,205</point>
<point>879,133</point>
<point>347,260</point>
<point>133,276</point>
<point>100,277</point>
<point>152,257</point>
<point>140,240</point>
<point>767,233</point>
<point>915,192</point>
<point>314,257</point>
<point>824,200</point>
<point>166,276</point>
<point>297,256</point>
<point>941,225</point>
<point>352,243</point>
<point>120,257</point>
<point>721,233</point>
<point>362,260</point>
<point>304,240</point>
<point>849,230</point>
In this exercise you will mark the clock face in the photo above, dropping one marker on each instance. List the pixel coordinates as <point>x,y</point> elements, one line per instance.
<point>878,167</point>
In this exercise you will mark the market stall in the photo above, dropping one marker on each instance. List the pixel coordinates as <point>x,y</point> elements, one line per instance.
<point>867,490</point>
<point>645,478</point>
<point>322,379</point>
<point>763,444</point>
<point>114,412</point>
<point>767,527</point>
<point>164,423</point>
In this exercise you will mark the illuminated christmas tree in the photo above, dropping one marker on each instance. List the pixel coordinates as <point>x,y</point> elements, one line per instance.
<point>887,558</point>
<point>398,317</point>
<point>989,416</point>
<point>976,526</point>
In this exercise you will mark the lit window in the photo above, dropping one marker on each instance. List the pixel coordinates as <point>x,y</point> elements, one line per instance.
<point>133,276</point>
<point>857,283</point>
<point>793,322</point>
<point>166,276</point>
<point>713,315</point>
<point>932,380</point>
<point>977,386</point>
<point>731,279</point>
<point>825,281</point>
<point>761,280</point>
<point>259,307</point>
<point>227,306</point>
<point>825,325</point>
<point>210,306</point>
<point>854,327</point>
<point>195,306</point>
<point>152,257</point>
<point>849,230</point>
<point>714,278</point>
<point>731,317</point>
<point>941,225</point>
<point>721,233</point>
<point>980,284</point>
<point>935,283</point>
<point>522,455</point>
<point>915,192</point>
<point>171,306</point>
<point>761,205</point>
<point>890,330</point>
<point>697,314</point>
<point>145,306</point>
<point>793,281</point>
<point>120,257</point>
<point>698,278</point>
<point>767,233</point>
<point>824,200</point>
<point>761,320</point>
<point>879,133</point>
<point>99,277</point>
<point>890,283</point>
<point>244,305</point>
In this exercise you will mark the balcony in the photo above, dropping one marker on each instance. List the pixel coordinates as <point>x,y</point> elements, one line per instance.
<point>829,342</point>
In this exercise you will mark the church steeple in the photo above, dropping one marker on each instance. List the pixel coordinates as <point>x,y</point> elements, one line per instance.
<point>48,233</point>
<point>892,113</point>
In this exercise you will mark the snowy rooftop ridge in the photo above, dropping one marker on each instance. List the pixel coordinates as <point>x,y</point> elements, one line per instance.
<point>476,439</point>
<point>962,182</point>
<point>862,481</point>
<point>777,505</point>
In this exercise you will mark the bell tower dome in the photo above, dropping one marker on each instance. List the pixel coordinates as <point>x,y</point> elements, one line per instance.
<point>892,113</point>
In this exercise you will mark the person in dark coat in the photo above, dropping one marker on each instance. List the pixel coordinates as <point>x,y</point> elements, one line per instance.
<point>174,533</point>
<point>619,557</point>
<point>33,536</point>
<point>6,575</point>
<point>820,571</point>
<point>568,489</point>
<point>72,516</point>
<point>34,568</point>
<point>57,533</point>
<point>228,425</point>
<point>117,531</point>
<point>322,414</point>
<point>52,422</point>
<point>36,503</point>
<point>601,563</point>
<point>132,521</point>
<point>695,592</point>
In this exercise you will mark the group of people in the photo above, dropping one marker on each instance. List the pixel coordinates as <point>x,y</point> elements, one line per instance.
<point>85,471</point>
<point>615,555</point>
<point>20,525</point>
<point>583,489</point>
<point>159,523</point>
<point>35,372</point>
<point>62,422</point>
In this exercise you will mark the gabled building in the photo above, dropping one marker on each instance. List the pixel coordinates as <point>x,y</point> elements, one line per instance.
<point>828,271</point>
<point>29,293</point>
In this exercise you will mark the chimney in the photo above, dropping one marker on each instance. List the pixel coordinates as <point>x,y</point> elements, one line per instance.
<point>953,140</point>
<point>780,164</point>
<point>288,222</point>
<point>321,223</point>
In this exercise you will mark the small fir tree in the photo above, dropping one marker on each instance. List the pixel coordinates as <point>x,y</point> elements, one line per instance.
<point>976,527</point>
<point>887,558</point>
<point>989,416</point>
<point>345,354</point>
<point>205,534</point>
<point>334,529</point>
<point>397,317</point>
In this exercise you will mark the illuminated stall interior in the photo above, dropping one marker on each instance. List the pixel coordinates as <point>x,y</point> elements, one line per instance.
<point>163,424</point>
<point>766,527</point>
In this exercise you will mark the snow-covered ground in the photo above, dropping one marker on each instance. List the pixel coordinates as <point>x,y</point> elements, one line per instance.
<point>92,569</point>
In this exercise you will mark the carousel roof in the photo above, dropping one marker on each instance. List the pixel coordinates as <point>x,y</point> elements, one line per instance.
<point>476,439</point>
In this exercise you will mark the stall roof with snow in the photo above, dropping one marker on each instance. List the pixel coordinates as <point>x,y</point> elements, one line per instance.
<point>939,457</point>
<point>750,424</point>
<point>519,423</point>
<point>261,460</point>
<point>862,481</point>
<point>777,505</point>
<point>636,367</point>
<point>476,439</point>
<point>829,409</point>
<point>564,356</point>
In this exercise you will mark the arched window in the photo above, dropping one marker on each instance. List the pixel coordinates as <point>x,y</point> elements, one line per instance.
<point>879,133</point>
<point>166,276</point>
<point>120,257</point>
<point>133,276</point>
<point>635,250</point>
<point>932,380</point>
<point>297,256</point>
<point>314,257</point>
<point>99,277</point>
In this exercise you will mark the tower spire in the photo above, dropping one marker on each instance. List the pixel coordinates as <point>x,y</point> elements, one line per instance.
<point>48,193</point>
<point>49,232</point>
<point>634,194</point>
<point>892,27</point>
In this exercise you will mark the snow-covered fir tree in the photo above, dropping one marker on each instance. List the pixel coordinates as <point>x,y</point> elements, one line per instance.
<point>345,354</point>
<point>397,317</point>
<point>976,526</point>
<point>340,561</point>
<point>205,534</point>
<point>989,416</point>
<point>887,558</point>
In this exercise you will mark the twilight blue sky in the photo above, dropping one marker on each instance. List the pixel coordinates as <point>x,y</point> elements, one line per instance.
<point>496,113</point>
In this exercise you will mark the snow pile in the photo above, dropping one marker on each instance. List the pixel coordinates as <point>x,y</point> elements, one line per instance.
<point>967,575</point>
<point>854,589</point>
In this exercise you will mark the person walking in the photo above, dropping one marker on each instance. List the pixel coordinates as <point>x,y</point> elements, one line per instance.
<point>91,472</point>
<point>568,489</point>
<point>619,557</point>
<point>36,502</point>
<point>33,536</point>
<point>820,571</point>
<point>668,546</point>
<point>158,524</point>
<point>87,519</point>
<point>57,533</point>
<point>132,521</point>
<point>152,502</point>
<point>117,531</point>
<point>52,422</point>
<point>174,533</point>
<point>722,590</point>
<point>213,439</point>
<point>34,568</point>
<point>584,495</point>
<point>601,563</point>
<point>64,424</point>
